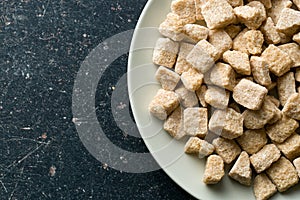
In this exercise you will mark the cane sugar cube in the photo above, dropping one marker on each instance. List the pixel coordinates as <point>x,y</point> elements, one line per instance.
<point>296,38</point>
<point>296,163</point>
<point>279,61</point>
<point>253,140</point>
<point>167,78</point>
<point>196,32</point>
<point>200,59</point>
<point>240,43</point>
<point>217,97</point>
<point>269,31</point>
<point>277,6</point>
<point>214,170</point>
<point>263,187</point>
<point>291,146</point>
<point>223,75</point>
<point>239,61</point>
<point>227,149</point>
<point>174,124</point>
<point>283,174</point>
<point>293,50</point>
<point>217,14</point>
<point>198,146</point>
<point>195,121</point>
<point>181,64</point>
<point>221,40</point>
<point>282,129</point>
<point>227,123</point>
<point>266,3</point>
<point>260,71</point>
<point>292,107</point>
<point>264,158</point>
<point>186,97</point>
<point>201,95</point>
<point>255,40</point>
<point>163,104</point>
<point>249,94</point>
<point>286,86</point>
<point>165,52</point>
<point>241,170</point>
<point>192,79</point>
<point>289,21</point>
<point>185,9</point>
<point>171,27</point>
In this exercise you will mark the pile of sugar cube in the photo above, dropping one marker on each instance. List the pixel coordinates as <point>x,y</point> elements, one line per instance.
<point>228,71</point>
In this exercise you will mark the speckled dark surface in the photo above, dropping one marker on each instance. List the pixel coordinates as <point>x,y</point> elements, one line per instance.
<point>43,43</point>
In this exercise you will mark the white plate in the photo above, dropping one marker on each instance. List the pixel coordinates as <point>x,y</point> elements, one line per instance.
<point>185,170</point>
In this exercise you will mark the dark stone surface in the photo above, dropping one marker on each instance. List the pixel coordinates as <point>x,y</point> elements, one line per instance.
<point>42,44</point>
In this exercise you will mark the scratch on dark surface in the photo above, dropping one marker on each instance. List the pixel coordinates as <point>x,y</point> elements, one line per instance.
<point>16,185</point>
<point>5,189</point>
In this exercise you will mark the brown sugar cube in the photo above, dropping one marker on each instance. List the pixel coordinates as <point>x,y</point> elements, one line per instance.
<point>171,27</point>
<point>241,170</point>
<point>269,31</point>
<point>282,129</point>
<point>227,123</point>
<point>163,104</point>
<point>277,7</point>
<point>266,3</point>
<point>209,48</point>
<point>181,64</point>
<point>214,170</point>
<point>198,146</point>
<point>289,21</point>
<point>201,95</point>
<point>192,79</point>
<point>239,61</point>
<point>233,30</point>
<point>249,94</point>
<point>264,158</point>
<point>293,50</point>
<point>253,140</point>
<point>196,32</point>
<point>296,163</point>
<point>283,174</point>
<point>252,15</point>
<point>185,9</point>
<point>292,107</point>
<point>217,13</point>
<point>286,86</point>
<point>240,43</point>
<point>274,100</point>
<point>221,40</point>
<point>255,40</point>
<point>223,75</point>
<point>198,5</point>
<point>260,71</point>
<point>256,119</point>
<point>200,59</point>
<point>165,52</point>
<point>227,149</point>
<point>262,12</point>
<point>174,124</point>
<point>263,187</point>
<point>192,146</point>
<point>297,75</point>
<point>279,61</point>
<point>195,121</point>
<point>291,146</point>
<point>167,78</point>
<point>235,3</point>
<point>217,97</point>
<point>296,38</point>
<point>186,97</point>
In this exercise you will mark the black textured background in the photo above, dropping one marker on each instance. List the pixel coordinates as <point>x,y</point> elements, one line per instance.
<point>42,44</point>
